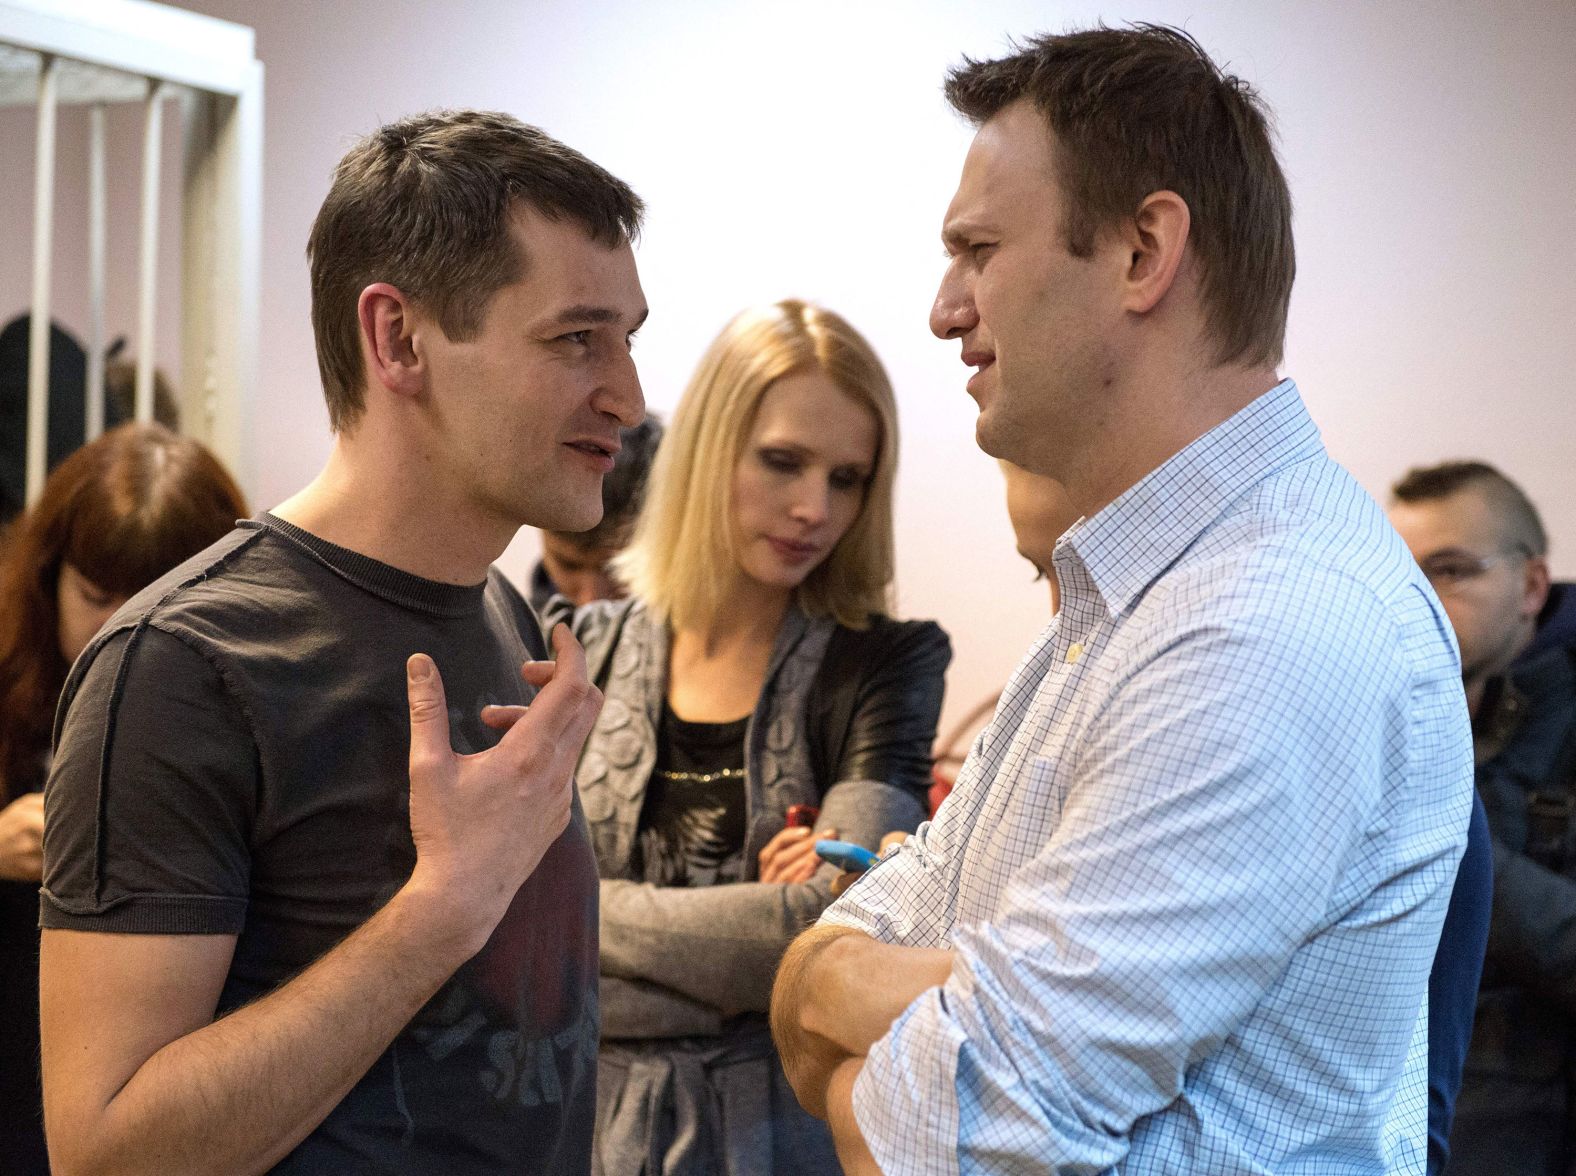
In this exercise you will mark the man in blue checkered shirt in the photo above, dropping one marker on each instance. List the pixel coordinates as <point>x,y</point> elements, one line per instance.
<point>1178,914</point>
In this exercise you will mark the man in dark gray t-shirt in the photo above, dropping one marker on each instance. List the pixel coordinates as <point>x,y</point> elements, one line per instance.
<point>318,893</point>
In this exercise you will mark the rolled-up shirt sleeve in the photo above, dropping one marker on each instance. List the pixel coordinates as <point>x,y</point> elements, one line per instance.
<point>907,897</point>
<point>1215,820</point>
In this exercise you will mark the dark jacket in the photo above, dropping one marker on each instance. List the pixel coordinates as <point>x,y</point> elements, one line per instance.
<point>1513,1111</point>
<point>1556,624</point>
<point>1453,982</point>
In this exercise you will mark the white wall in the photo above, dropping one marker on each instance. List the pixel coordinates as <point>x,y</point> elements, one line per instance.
<point>805,149</point>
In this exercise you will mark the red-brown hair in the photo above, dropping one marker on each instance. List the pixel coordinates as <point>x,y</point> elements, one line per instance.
<point>122,510</point>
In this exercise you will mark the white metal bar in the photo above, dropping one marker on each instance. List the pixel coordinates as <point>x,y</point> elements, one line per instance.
<point>43,238</point>
<point>147,295</point>
<point>97,219</point>
<point>221,258</point>
<point>244,224</point>
<point>135,37</point>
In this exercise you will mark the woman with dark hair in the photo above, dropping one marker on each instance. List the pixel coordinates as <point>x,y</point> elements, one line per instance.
<point>114,516</point>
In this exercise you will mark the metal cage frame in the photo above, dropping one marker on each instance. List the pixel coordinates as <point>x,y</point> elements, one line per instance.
<point>98,52</point>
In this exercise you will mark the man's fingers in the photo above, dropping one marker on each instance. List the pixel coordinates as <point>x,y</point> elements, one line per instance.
<point>565,707</point>
<point>556,709</point>
<point>579,727</point>
<point>571,675</point>
<point>501,718</point>
<point>804,851</point>
<point>429,712</point>
<point>568,654</point>
<point>538,673</point>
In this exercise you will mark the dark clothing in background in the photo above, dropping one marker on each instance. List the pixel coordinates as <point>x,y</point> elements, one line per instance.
<point>66,424</point>
<point>1514,1111</point>
<point>232,759</point>
<point>1453,982</point>
<point>1556,624</point>
<point>693,825</point>
<point>542,588</point>
<point>21,1103</point>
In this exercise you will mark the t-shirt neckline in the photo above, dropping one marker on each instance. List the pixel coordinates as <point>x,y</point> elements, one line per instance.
<point>384,580</point>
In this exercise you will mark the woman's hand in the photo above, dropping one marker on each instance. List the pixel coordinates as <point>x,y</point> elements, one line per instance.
<point>790,856</point>
<point>843,881</point>
<point>22,838</point>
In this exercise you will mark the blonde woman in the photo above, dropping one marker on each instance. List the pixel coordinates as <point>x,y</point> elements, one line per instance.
<point>754,670</point>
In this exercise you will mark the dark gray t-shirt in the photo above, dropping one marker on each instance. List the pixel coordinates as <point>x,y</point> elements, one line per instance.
<point>232,759</point>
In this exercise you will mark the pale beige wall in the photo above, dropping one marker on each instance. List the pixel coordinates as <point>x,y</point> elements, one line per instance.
<point>805,150</point>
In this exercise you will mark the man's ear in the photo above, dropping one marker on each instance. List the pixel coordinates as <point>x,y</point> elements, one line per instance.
<point>388,347</point>
<point>1157,239</point>
<point>1535,586</point>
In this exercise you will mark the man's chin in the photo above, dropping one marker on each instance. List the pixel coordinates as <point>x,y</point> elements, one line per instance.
<point>1012,445</point>
<point>997,442</point>
<point>571,517</point>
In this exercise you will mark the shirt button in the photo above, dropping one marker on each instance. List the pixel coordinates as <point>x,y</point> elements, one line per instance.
<point>1074,652</point>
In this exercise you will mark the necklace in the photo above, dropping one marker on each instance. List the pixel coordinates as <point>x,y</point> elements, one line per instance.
<point>702,777</point>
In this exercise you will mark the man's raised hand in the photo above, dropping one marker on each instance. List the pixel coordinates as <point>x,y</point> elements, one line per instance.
<point>481,823</point>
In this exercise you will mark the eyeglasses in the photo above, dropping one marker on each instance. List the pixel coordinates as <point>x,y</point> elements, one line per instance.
<point>1450,569</point>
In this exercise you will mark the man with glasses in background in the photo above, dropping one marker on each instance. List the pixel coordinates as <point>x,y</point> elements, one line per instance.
<point>1479,541</point>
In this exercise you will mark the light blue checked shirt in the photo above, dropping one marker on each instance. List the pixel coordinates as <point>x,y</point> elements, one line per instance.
<point>1194,871</point>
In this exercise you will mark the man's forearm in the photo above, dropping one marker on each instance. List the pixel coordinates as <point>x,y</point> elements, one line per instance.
<point>837,994</point>
<point>808,1057</point>
<point>853,1153</point>
<point>849,988</point>
<point>238,1094</point>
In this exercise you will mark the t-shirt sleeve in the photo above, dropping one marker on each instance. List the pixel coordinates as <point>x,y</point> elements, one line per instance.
<point>149,808</point>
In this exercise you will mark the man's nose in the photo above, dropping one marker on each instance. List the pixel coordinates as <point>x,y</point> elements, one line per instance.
<point>620,395</point>
<point>952,315</point>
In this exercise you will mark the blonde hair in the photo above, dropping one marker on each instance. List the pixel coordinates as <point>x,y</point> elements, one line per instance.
<point>684,535</point>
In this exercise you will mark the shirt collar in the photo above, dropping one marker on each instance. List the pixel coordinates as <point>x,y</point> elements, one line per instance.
<point>1126,546</point>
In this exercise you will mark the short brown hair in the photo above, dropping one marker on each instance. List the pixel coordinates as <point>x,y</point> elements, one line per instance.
<point>1143,109</point>
<point>1519,522</point>
<point>424,204</point>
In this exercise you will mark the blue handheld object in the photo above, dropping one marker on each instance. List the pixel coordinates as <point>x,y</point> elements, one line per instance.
<point>845,855</point>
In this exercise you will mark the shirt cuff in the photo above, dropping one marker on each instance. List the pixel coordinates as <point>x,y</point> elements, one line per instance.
<point>905,1098</point>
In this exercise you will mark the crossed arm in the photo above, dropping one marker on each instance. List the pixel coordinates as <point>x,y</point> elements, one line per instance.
<point>837,993</point>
